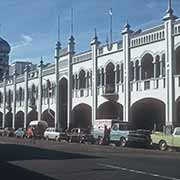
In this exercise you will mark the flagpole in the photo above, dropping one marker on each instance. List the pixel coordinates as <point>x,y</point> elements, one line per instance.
<point>110,13</point>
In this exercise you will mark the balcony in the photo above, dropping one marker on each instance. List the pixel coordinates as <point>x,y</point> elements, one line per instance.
<point>109,92</point>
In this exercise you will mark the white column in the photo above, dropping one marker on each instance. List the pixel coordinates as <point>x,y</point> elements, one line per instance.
<point>115,79</point>
<point>40,91</point>
<point>140,71</point>
<point>135,72</point>
<point>4,100</point>
<point>57,94</point>
<point>14,100</point>
<point>126,53</point>
<point>170,70</point>
<point>94,46</point>
<point>154,63</point>
<point>26,95</point>
<point>71,46</point>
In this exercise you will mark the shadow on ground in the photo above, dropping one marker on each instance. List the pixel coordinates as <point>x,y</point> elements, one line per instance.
<point>9,172</point>
<point>14,152</point>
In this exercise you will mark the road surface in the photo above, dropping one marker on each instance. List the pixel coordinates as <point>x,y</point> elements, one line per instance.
<point>48,160</point>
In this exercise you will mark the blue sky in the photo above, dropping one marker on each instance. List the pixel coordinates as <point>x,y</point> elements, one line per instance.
<point>31,26</point>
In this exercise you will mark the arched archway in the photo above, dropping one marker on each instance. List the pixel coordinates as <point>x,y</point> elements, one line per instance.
<point>31,116</point>
<point>110,110</point>
<point>147,66</point>
<point>8,119</point>
<point>1,119</point>
<point>49,117</point>
<point>19,119</point>
<point>110,78</point>
<point>147,113</point>
<point>63,89</point>
<point>81,116</point>
<point>178,60</point>
<point>82,80</point>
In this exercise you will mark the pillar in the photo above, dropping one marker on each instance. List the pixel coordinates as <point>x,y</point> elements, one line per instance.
<point>4,99</point>
<point>57,57</point>
<point>169,20</point>
<point>126,53</point>
<point>26,72</point>
<point>14,100</point>
<point>40,91</point>
<point>71,48</point>
<point>94,47</point>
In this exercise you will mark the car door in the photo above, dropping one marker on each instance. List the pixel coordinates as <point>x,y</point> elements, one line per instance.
<point>176,138</point>
<point>114,134</point>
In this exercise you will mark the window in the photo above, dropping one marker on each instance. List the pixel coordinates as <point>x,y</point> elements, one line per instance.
<point>177,132</point>
<point>178,29</point>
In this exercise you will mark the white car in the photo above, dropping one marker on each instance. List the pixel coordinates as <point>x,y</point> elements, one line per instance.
<point>51,133</point>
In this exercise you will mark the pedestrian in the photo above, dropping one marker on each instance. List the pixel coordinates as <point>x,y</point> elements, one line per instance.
<point>106,135</point>
<point>33,135</point>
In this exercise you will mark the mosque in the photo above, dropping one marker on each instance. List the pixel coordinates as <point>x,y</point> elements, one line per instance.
<point>135,79</point>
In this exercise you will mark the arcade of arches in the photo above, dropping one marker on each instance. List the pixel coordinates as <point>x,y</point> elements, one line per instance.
<point>110,110</point>
<point>81,116</point>
<point>49,117</point>
<point>19,119</point>
<point>148,113</point>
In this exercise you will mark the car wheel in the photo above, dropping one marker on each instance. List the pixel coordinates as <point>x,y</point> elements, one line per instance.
<point>162,145</point>
<point>47,138</point>
<point>122,142</point>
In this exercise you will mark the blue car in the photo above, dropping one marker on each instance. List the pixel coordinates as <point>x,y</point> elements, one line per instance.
<point>20,133</point>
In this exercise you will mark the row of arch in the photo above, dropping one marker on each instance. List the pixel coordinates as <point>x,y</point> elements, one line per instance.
<point>144,114</point>
<point>32,115</point>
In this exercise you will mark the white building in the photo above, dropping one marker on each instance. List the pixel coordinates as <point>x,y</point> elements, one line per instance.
<point>136,79</point>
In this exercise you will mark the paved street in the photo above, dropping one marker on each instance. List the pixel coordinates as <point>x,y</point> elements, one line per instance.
<point>21,159</point>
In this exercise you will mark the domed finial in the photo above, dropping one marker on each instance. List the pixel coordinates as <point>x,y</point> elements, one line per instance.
<point>95,39</point>
<point>126,28</point>
<point>170,11</point>
<point>41,62</point>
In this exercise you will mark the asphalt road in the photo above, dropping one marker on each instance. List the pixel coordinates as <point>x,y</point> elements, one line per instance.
<point>23,159</point>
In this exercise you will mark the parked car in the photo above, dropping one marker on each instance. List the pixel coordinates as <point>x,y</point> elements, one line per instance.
<point>1,131</point>
<point>36,129</point>
<point>52,133</point>
<point>139,137</point>
<point>8,131</point>
<point>20,133</point>
<point>119,133</point>
<point>79,135</point>
<point>163,140</point>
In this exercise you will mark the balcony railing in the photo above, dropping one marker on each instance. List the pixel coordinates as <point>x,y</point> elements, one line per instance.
<point>109,88</point>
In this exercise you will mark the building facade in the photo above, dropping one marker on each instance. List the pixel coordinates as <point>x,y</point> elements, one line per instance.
<point>136,79</point>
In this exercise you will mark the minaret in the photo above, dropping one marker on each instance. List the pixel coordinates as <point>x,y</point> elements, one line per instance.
<point>126,52</point>
<point>57,58</point>
<point>4,98</point>
<point>40,90</point>
<point>169,20</point>
<point>71,52</point>
<point>26,73</point>
<point>94,46</point>
<point>14,99</point>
